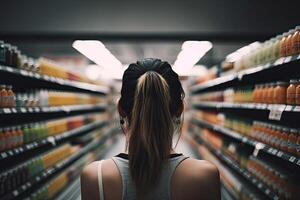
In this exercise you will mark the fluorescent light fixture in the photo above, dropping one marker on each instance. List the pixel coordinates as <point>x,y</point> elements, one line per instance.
<point>190,54</point>
<point>96,52</point>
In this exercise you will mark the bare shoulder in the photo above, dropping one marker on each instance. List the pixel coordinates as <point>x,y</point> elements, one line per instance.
<point>111,179</point>
<point>89,182</point>
<point>194,179</point>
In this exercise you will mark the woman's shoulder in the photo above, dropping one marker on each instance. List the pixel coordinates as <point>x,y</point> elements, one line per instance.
<point>196,178</point>
<point>198,168</point>
<point>110,178</point>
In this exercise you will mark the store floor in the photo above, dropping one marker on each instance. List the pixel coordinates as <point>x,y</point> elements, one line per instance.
<point>182,147</point>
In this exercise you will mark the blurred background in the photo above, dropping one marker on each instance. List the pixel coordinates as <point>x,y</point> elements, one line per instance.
<point>61,64</point>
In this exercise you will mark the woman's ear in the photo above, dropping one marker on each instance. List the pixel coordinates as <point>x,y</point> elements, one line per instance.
<point>180,109</point>
<point>121,111</point>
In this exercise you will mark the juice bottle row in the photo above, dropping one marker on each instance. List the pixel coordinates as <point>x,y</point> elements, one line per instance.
<point>56,185</point>
<point>280,137</point>
<point>280,181</point>
<point>280,92</point>
<point>43,98</point>
<point>11,56</point>
<point>18,175</point>
<point>14,136</point>
<point>283,45</point>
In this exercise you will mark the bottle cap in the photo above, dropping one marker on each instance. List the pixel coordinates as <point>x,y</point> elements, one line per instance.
<point>281,83</point>
<point>294,81</point>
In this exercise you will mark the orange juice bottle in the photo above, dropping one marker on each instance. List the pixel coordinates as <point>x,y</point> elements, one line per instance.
<point>11,102</point>
<point>3,96</point>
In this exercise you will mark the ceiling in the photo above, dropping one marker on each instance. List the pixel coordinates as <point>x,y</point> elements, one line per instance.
<point>136,29</point>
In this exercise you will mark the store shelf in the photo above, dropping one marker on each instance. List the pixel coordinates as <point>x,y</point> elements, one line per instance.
<point>50,172</point>
<point>54,109</point>
<point>293,160</point>
<point>286,114</point>
<point>15,116</point>
<point>283,67</point>
<point>50,82</point>
<point>49,141</point>
<point>243,172</point>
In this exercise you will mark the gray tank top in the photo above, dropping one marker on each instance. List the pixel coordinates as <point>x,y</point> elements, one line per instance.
<point>162,191</point>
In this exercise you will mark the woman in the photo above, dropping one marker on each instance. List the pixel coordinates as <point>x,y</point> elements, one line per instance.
<point>150,108</point>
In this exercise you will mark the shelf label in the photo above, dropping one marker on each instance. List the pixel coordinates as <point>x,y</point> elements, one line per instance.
<point>6,110</point>
<point>276,112</point>
<point>287,59</point>
<point>3,155</point>
<point>279,61</point>
<point>292,159</point>
<point>9,69</point>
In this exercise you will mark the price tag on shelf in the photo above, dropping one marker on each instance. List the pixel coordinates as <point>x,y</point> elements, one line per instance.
<point>3,155</point>
<point>276,112</point>
<point>7,110</point>
<point>287,59</point>
<point>24,73</point>
<point>9,69</point>
<point>279,61</point>
<point>296,109</point>
<point>23,110</point>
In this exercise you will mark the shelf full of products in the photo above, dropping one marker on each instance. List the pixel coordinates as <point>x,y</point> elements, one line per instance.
<point>54,121</point>
<point>247,118</point>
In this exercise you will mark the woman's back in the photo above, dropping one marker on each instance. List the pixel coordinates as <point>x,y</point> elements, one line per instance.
<point>182,179</point>
<point>150,108</point>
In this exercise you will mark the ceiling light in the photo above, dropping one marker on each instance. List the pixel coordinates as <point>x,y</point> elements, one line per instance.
<point>96,52</point>
<point>190,54</point>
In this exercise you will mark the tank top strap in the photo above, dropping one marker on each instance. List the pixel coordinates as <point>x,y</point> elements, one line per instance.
<point>100,180</point>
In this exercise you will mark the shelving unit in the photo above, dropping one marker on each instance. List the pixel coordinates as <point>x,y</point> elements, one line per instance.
<point>281,68</point>
<point>260,147</point>
<point>23,76</point>
<point>48,173</point>
<point>286,114</point>
<point>49,141</point>
<point>28,162</point>
<point>243,172</point>
<point>210,101</point>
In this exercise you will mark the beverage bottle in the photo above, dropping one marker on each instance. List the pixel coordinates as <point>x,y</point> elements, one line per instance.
<point>3,96</point>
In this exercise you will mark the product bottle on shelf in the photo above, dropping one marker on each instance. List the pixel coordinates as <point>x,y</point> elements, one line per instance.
<point>11,97</point>
<point>3,96</point>
<point>295,50</point>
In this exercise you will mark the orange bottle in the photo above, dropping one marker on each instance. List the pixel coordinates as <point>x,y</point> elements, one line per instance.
<point>296,41</point>
<point>288,50</point>
<point>282,46</point>
<point>3,96</point>
<point>298,94</point>
<point>11,102</point>
<point>285,136</point>
<point>292,140</point>
<point>280,92</point>
<point>291,92</point>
